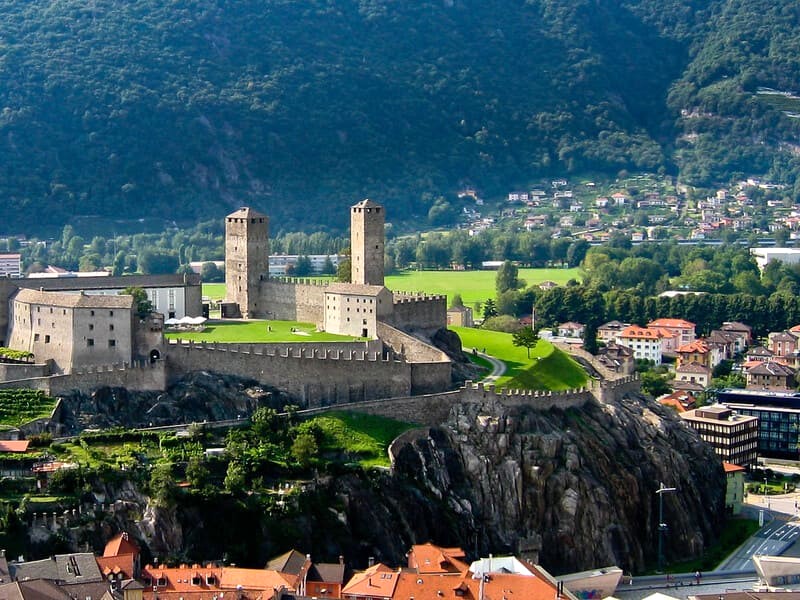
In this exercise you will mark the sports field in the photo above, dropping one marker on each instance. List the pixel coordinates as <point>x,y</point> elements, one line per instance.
<point>548,368</point>
<point>258,332</point>
<point>474,286</point>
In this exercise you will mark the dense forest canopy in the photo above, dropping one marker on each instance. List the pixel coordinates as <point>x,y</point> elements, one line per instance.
<point>180,110</point>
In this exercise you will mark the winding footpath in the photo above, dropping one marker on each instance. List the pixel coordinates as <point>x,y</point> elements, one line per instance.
<point>498,368</point>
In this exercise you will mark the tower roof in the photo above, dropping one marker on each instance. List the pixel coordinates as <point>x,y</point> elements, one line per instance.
<point>246,213</point>
<point>367,203</point>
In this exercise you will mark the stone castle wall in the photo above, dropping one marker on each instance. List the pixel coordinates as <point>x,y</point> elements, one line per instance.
<point>10,372</point>
<point>139,375</point>
<point>418,313</point>
<point>7,288</point>
<point>312,376</point>
<point>292,300</point>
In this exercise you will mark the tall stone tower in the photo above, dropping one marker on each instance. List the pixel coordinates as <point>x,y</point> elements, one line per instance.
<point>366,243</point>
<point>246,259</point>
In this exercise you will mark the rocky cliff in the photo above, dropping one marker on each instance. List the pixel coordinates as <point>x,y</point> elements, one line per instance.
<point>572,489</point>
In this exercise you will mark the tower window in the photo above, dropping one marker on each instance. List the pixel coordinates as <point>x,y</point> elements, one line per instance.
<point>90,342</point>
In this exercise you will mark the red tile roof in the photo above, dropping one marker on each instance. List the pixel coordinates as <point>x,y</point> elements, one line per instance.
<point>428,558</point>
<point>378,581</point>
<point>732,468</point>
<point>682,323</point>
<point>695,347</point>
<point>120,544</point>
<point>636,332</point>
<point>14,445</point>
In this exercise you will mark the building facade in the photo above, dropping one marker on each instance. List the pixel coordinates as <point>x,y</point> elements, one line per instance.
<point>733,436</point>
<point>246,259</point>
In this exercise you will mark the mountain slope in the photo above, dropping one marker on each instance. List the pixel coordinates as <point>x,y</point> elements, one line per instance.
<point>133,109</point>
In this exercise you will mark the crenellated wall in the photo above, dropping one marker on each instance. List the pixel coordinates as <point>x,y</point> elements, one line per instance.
<point>139,375</point>
<point>9,372</point>
<point>413,312</point>
<point>293,300</point>
<point>312,375</point>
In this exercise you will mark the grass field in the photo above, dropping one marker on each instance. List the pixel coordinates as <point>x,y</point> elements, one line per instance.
<point>256,331</point>
<point>548,368</point>
<point>365,437</point>
<point>474,286</point>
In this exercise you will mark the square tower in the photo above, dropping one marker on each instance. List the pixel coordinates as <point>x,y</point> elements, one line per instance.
<point>246,258</point>
<point>366,243</point>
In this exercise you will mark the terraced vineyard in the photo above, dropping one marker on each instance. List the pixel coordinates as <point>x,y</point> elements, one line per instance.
<point>19,406</point>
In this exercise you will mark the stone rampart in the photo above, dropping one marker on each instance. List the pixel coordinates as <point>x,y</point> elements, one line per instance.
<point>413,312</point>
<point>7,288</point>
<point>139,375</point>
<point>293,300</point>
<point>614,390</point>
<point>311,376</point>
<point>541,399</point>
<point>10,372</point>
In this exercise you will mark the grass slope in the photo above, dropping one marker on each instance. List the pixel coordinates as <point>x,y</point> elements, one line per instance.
<point>256,331</point>
<point>548,368</point>
<point>18,406</point>
<point>364,437</point>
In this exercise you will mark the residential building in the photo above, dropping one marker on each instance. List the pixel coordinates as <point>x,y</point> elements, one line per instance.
<point>782,343</point>
<point>726,341</point>
<point>778,415</point>
<point>770,375</point>
<point>758,353</point>
<point>645,343</point>
<point>733,436</point>
<point>570,329</point>
<point>10,265</point>
<point>617,358</point>
<point>693,373</point>
<point>680,400</point>
<point>734,491</point>
<point>700,352</point>
<point>608,332</point>
<point>681,328</point>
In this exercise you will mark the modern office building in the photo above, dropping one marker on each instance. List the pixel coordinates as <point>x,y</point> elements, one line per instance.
<point>734,437</point>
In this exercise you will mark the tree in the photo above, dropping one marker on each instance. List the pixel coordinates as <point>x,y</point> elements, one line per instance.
<point>235,477</point>
<point>489,309</point>
<point>210,272</point>
<point>157,262</point>
<point>141,303</point>
<point>456,302</point>
<point>507,277</point>
<point>328,268</point>
<point>655,384</point>
<point>525,337</point>
<point>304,448</point>
<point>343,271</point>
<point>197,474</point>
<point>302,268</point>
<point>162,485</point>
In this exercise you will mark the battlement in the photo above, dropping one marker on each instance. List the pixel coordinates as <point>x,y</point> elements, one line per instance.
<point>300,281</point>
<point>110,368</point>
<point>411,297</point>
<point>291,351</point>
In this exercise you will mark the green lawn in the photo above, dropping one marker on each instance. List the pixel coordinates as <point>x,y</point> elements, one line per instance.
<point>256,331</point>
<point>474,286</point>
<point>548,368</point>
<point>365,437</point>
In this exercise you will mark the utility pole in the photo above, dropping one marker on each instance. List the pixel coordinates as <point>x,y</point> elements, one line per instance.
<point>662,526</point>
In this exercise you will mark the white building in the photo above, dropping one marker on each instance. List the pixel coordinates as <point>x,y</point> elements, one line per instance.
<point>10,265</point>
<point>645,343</point>
<point>790,256</point>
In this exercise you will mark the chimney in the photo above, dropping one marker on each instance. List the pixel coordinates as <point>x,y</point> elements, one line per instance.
<point>341,558</point>
<point>371,561</point>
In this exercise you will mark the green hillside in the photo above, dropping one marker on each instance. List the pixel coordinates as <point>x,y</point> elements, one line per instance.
<point>171,111</point>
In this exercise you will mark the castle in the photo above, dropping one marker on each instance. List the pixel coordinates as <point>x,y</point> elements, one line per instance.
<point>82,340</point>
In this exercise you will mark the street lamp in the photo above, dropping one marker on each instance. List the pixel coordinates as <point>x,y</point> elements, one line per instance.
<point>662,526</point>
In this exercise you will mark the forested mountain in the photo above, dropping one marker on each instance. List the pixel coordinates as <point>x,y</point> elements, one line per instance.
<point>180,110</point>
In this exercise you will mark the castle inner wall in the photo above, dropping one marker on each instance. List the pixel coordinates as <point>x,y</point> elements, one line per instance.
<point>293,300</point>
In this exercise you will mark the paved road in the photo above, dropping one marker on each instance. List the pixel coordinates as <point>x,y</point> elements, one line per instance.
<point>498,368</point>
<point>773,540</point>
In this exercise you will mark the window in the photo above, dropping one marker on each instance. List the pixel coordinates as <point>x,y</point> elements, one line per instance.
<point>35,337</point>
<point>112,343</point>
<point>111,327</point>
<point>91,326</point>
<point>162,582</point>
<point>210,580</point>
<point>91,312</point>
<point>47,339</point>
<point>111,313</point>
<point>196,580</point>
<point>90,342</point>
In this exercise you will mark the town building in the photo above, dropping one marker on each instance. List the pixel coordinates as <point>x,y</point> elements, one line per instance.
<point>644,342</point>
<point>608,332</point>
<point>617,358</point>
<point>763,256</point>
<point>693,373</point>
<point>701,353</point>
<point>460,316</point>
<point>778,414</point>
<point>734,490</point>
<point>733,436</point>
<point>782,343</point>
<point>10,265</point>
<point>571,330</point>
<point>770,375</point>
<point>684,330</point>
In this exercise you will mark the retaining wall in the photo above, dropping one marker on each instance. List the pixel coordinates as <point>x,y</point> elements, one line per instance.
<point>140,375</point>
<point>10,372</point>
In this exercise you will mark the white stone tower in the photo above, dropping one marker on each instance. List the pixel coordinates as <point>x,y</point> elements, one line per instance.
<point>246,259</point>
<point>366,243</point>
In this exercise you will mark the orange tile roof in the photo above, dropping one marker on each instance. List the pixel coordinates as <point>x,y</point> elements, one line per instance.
<point>671,323</point>
<point>14,445</point>
<point>697,346</point>
<point>732,468</point>
<point>378,581</point>
<point>665,333</point>
<point>495,585</point>
<point>636,332</point>
<point>255,579</point>
<point>428,558</point>
<point>179,579</point>
<point>120,544</point>
<point>116,564</point>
